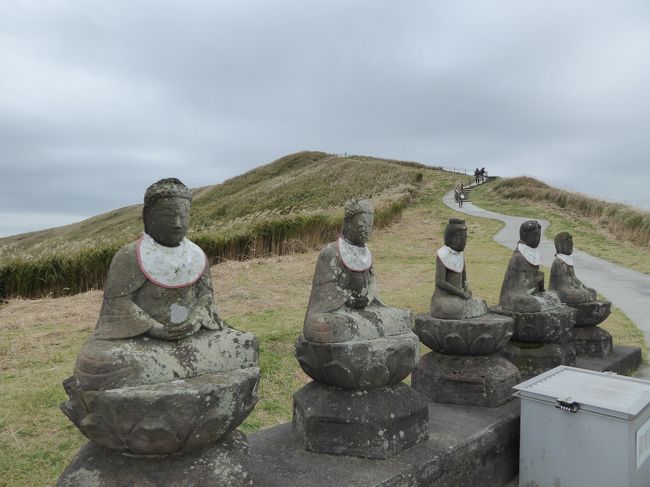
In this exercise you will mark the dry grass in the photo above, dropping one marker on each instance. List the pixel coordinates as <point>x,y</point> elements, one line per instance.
<point>602,236</point>
<point>39,339</point>
<point>290,205</point>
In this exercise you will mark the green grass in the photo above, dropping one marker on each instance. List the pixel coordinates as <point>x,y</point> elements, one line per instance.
<point>612,231</point>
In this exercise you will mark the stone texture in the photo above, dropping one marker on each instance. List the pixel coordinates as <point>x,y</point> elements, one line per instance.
<point>467,446</point>
<point>359,364</point>
<point>485,380</point>
<point>225,464</point>
<point>591,340</point>
<point>482,335</point>
<point>534,358</point>
<point>170,417</point>
<point>373,423</point>
<point>622,360</point>
<point>112,364</point>
<point>592,313</point>
<point>161,375</point>
<point>543,327</point>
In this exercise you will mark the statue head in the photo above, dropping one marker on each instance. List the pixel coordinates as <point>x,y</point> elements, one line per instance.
<point>530,233</point>
<point>357,222</point>
<point>166,211</point>
<point>564,243</point>
<point>456,234</point>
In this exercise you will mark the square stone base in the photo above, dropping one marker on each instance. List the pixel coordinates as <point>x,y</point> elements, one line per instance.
<point>226,463</point>
<point>535,358</point>
<point>482,380</point>
<point>592,341</point>
<point>373,423</point>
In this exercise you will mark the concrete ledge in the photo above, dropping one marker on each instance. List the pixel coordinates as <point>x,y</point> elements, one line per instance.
<point>468,445</point>
<point>623,360</point>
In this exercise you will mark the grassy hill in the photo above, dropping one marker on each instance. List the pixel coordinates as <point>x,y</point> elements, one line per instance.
<point>613,231</point>
<point>291,204</point>
<point>40,339</point>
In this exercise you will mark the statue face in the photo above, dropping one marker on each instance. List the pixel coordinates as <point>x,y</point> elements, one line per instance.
<point>566,245</point>
<point>357,229</point>
<point>168,220</point>
<point>457,240</point>
<point>533,237</point>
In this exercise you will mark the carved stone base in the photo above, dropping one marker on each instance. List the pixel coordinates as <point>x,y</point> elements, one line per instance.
<point>162,419</point>
<point>592,313</point>
<point>591,340</point>
<point>534,358</point>
<point>543,327</point>
<point>484,380</point>
<point>225,464</point>
<point>481,335</point>
<point>373,423</point>
<point>359,364</point>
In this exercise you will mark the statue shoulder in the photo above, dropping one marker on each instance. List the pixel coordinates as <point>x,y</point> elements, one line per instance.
<point>327,265</point>
<point>518,261</point>
<point>124,274</point>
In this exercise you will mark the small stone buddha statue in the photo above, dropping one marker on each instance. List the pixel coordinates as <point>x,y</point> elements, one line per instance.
<point>344,303</point>
<point>162,373</point>
<point>358,351</point>
<point>452,297</point>
<point>542,322</point>
<point>351,339</point>
<point>464,366</point>
<point>586,338</point>
<point>523,285</point>
<point>563,278</point>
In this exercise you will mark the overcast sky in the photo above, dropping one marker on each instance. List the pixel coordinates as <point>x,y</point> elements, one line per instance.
<point>98,99</point>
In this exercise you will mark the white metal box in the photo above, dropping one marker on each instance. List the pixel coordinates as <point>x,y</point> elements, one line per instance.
<point>581,428</point>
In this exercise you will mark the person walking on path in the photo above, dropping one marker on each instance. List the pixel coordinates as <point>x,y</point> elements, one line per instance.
<point>477,175</point>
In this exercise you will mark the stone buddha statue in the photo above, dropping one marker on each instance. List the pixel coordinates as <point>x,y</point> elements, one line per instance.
<point>542,322</point>
<point>586,338</point>
<point>563,278</point>
<point>351,339</point>
<point>357,350</point>
<point>162,373</point>
<point>523,285</point>
<point>344,303</point>
<point>452,297</point>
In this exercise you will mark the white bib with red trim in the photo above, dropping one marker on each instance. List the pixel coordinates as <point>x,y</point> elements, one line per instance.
<point>451,259</point>
<point>530,254</point>
<point>171,267</point>
<point>355,258</point>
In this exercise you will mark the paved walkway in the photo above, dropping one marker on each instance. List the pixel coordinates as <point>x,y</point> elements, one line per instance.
<point>629,290</point>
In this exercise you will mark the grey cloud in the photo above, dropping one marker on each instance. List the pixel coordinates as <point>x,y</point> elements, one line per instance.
<point>98,99</point>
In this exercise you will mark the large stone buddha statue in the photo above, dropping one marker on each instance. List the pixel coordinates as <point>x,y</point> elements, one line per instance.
<point>161,374</point>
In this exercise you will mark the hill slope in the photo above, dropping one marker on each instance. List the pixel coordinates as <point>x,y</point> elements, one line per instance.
<point>613,231</point>
<point>291,204</point>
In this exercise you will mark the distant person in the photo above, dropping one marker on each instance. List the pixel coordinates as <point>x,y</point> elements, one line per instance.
<point>461,196</point>
<point>483,174</point>
<point>477,175</point>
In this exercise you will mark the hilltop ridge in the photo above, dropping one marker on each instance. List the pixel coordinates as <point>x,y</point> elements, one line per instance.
<point>290,204</point>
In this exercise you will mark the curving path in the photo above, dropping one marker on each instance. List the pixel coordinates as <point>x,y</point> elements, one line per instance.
<point>627,289</point>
